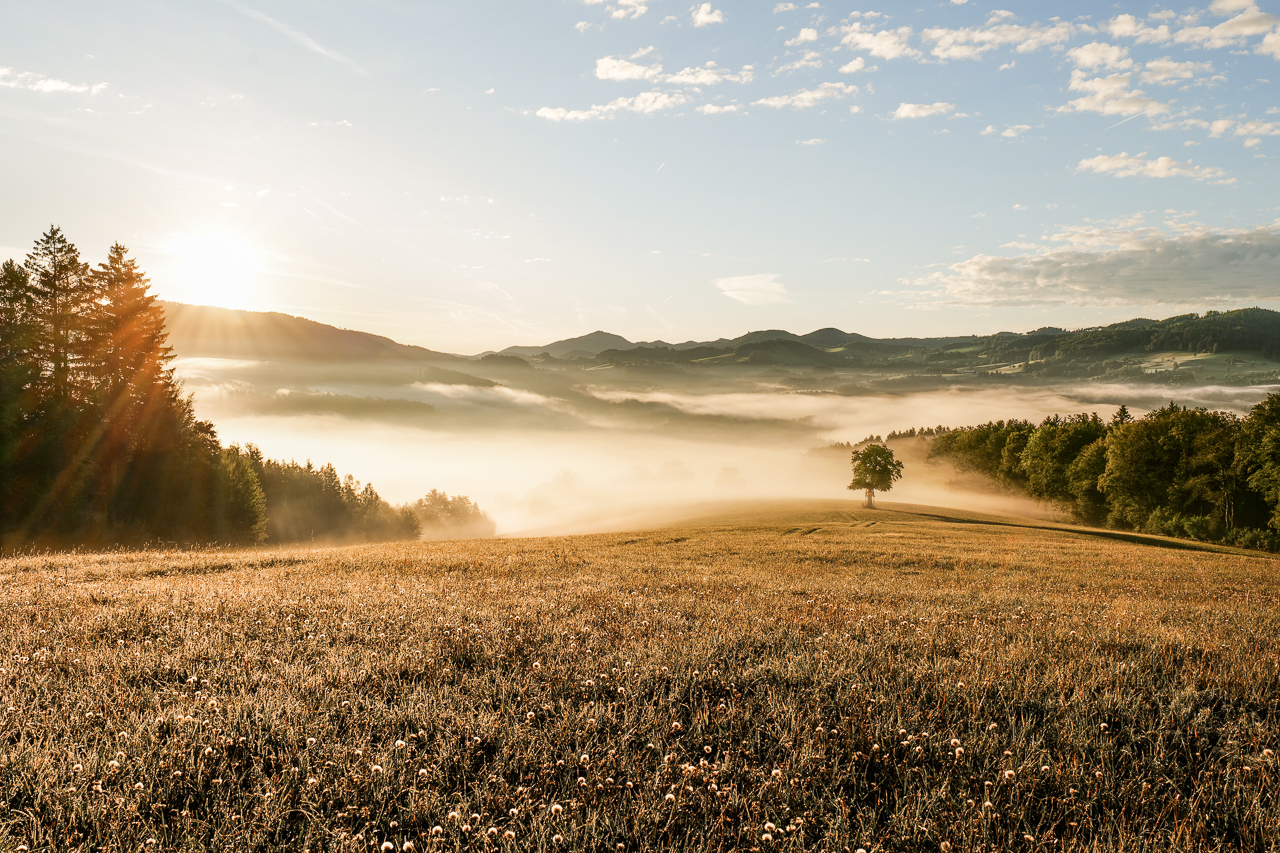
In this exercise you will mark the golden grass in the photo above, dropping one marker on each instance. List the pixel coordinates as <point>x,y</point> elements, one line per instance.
<point>798,676</point>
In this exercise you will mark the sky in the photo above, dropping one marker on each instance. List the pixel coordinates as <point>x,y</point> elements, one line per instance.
<point>470,175</point>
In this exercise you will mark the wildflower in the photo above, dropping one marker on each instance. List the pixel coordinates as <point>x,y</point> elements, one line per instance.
<point>766,838</point>
<point>375,769</point>
<point>671,798</point>
<point>1009,775</point>
<point>399,744</point>
<point>509,835</point>
<point>769,827</point>
<point>437,830</point>
<point>582,782</point>
<point>513,812</point>
<point>959,751</point>
<point>423,773</point>
<point>387,847</point>
<point>1103,727</point>
<point>407,847</point>
<point>955,742</point>
<point>493,832</point>
<point>529,716</point>
<point>453,816</point>
<point>777,774</point>
<point>557,838</point>
<point>1044,768</point>
<point>475,818</point>
<point>557,809</point>
<point>987,805</point>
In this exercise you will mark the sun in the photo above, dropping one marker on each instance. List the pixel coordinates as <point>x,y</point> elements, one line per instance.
<point>219,269</point>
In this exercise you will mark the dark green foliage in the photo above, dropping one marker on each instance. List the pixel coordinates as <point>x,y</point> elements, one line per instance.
<point>309,504</point>
<point>97,444</point>
<point>874,470</point>
<point>994,449</point>
<point>1177,471</point>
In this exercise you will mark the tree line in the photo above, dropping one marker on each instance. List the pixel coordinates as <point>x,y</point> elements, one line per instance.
<point>98,444</point>
<point>1177,471</point>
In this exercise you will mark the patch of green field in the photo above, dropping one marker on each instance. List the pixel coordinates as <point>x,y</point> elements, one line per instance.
<point>804,675</point>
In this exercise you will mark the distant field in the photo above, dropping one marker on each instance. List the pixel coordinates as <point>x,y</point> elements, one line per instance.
<point>802,675</point>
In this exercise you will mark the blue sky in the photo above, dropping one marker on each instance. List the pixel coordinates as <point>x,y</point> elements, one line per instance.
<point>471,175</point>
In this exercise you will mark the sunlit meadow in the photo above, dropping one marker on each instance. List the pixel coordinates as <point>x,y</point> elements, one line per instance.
<point>802,675</point>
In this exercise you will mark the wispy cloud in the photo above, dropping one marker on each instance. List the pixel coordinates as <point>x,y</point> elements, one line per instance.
<point>296,36</point>
<point>40,83</point>
<point>923,110</point>
<point>808,97</point>
<point>1125,165</point>
<point>762,289</point>
<point>645,103</point>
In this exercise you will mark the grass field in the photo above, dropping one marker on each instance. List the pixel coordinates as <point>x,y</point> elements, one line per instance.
<point>807,675</point>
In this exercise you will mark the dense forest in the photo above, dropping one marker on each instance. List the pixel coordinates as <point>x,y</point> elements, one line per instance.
<point>99,446</point>
<point>1206,475</point>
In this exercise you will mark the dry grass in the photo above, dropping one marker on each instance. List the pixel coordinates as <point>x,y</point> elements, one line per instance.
<point>804,676</point>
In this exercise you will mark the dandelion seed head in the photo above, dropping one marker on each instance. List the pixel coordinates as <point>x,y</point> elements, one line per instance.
<point>509,835</point>
<point>557,809</point>
<point>387,846</point>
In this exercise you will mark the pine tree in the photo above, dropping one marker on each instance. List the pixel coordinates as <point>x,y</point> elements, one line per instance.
<point>63,295</point>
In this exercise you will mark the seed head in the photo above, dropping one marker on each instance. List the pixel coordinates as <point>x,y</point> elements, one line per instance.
<point>557,809</point>
<point>454,816</point>
<point>1009,775</point>
<point>387,847</point>
<point>509,835</point>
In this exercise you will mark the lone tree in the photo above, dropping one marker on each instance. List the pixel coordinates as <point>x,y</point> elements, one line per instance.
<point>874,468</point>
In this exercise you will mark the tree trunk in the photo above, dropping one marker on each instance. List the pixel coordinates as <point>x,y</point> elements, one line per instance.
<point>870,500</point>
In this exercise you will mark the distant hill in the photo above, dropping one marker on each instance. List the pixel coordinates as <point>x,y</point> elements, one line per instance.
<point>208,332</point>
<point>580,347</point>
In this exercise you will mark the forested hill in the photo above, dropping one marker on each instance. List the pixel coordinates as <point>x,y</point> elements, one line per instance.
<point>205,331</point>
<point>1245,330</point>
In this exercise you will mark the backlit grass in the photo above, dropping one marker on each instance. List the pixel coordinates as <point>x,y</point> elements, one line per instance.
<point>805,676</point>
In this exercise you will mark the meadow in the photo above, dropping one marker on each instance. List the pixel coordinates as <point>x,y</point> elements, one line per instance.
<point>785,676</point>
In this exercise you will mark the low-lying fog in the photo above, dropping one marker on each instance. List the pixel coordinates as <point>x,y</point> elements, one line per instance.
<point>594,450</point>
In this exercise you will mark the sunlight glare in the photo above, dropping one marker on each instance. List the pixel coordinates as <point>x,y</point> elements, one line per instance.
<point>219,269</point>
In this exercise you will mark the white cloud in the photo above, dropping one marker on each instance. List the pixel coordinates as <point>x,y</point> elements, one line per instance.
<point>1110,96</point>
<point>763,289</point>
<point>1100,54</point>
<point>582,26</point>
<point>1269,46</point>
<point>806,34</point>
<point>856,65</point>
<point>807,98</point>
<point>810,141</point>
<point>1122,265</point>
<point>709,75</point>
<point>922,110</point>
<point>619,69</point>
<point>1166,72</point>
<point>1230,33</point>
<point>1254,127</point>
<point>1013,131</point>
<point>784,7</point>
<point>1124,165</point>
<point>972,42</point>
<point>712,109</point>
<point>1226,7</point>
<point>39,83</point>
<point>886,44</point>
<point>811,59</point>
<point>704,15</point>
<point>1019,207</point>
<point>645,103</point>
<point>1127,26</point>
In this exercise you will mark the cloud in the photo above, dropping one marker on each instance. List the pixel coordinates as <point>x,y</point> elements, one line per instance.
<point>886,44</point>
<point>806,34</point>
<point>856,65</point>
<point>1100,54</point>
<point>39,83</point>
<point>973,42</point>
<point>1104,265</point>
<point>811,59</point>
<point>709,75</point>
<point>1269,46</point>
<point>1166,72</point>
<point>713,109</point>
<point>1127,26</point>
<point>704,15</point>
<point>763,289</point>
<point>619,69</point>
<point>784,7</point>
<point>807,98</point>
<point>1124,165</point>
<point>922,110</point>
<point>645,103</point>
<point>1230,33</point>
<point>810,141</point>
<point>296,36</point>
<point>625,8</point>
<point>1110,96</point>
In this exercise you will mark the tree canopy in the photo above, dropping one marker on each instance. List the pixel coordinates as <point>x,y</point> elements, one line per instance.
<point>875,470</point>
